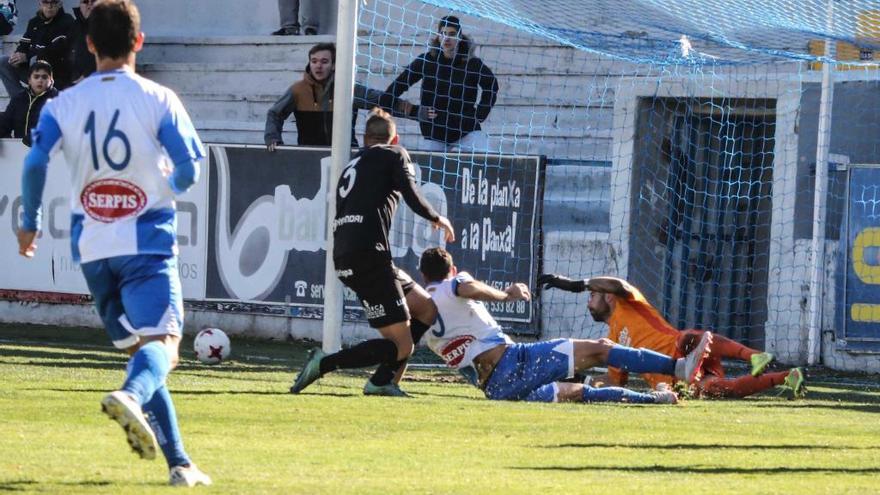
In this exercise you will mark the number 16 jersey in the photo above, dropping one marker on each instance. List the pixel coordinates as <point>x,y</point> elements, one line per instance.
<point>121,135</point>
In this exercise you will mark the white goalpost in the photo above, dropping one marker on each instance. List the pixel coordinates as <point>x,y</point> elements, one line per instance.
<point>346,39</point>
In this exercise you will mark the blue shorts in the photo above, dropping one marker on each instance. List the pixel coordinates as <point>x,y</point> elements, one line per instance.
<point>530,371</point>
<point>136,296</point>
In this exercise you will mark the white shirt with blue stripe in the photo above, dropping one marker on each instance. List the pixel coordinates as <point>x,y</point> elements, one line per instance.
<point>464,328</point>
<point>131,147</point>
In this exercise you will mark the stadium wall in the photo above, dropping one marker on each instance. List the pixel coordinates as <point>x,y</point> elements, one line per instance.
<point>251,236</point>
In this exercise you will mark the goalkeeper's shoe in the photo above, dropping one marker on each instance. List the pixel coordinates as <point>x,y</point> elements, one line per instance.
<point>188,476</point>
<point>310,372</point>
<point>760,361</point>
<point>795,382</point>
<point>690,368</point>
<point>390,390</point>
<point>125,411</point>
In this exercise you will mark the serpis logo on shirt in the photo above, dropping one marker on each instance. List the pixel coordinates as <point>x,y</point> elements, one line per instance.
<point>108,200</point>
<point>453,352</point>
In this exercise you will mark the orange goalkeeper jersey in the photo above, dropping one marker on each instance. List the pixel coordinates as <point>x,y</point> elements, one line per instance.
<point>635,323</point>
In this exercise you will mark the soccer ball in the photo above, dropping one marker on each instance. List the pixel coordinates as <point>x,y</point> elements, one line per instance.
<point>212,346</point>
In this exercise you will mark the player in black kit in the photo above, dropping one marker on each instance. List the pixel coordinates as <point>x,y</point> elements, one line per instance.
<point>367,195</point>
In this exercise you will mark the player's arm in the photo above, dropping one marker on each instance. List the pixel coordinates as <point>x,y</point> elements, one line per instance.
<point>275,117</point>
<point>179,138</point>
<point>33,181</point>
<point>366,98</point>
<point>610,285</point>
<point>404,180</point>
<point>466,286</point>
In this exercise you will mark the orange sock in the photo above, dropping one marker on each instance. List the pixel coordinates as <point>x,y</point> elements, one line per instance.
<point>724,347</point>
<point>742,386</point>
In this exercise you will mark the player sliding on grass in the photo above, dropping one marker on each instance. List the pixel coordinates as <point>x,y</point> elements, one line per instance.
<point>632,320</point>
<point>466,336</point>
<point>112,127</point>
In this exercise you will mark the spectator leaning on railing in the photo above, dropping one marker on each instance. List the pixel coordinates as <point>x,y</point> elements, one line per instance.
<point>82,62</point>
<point>46,38</point>
<point>8,16</point>
<point>450,76</point>
<point>23,111</point>
<point>311,103</point>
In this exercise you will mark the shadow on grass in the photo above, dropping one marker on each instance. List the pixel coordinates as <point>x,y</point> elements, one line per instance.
<point>696,446</point>
<point>702,469</point>
<point>16,485</point>
<point>454,396</point>
<point>279,392</point>
<point>864,408</point>
<point>45,337</point>
<point>843,395</point>
<point>173,392</point>
<point>60,357</point>
<point>31,485</point>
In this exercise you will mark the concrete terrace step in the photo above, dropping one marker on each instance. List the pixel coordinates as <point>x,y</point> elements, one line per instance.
<point>591,148</point>
<point>536,121</point>
<point>391,71</point>
<point>496,51</point>
<point>290,50</point>
<point>274,78</point>
<point>577,197</point>
<point>570,182</point>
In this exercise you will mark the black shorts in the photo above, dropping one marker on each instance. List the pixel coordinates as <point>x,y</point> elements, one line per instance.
<point>380,286</point>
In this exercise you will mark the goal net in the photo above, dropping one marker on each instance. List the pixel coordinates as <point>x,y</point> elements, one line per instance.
<point>681,142</point>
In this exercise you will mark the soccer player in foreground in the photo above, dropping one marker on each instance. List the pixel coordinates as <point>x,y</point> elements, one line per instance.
<point>632,320</point>
<point>466,336</point>
<point>112,127</point>
<point>367,195</point>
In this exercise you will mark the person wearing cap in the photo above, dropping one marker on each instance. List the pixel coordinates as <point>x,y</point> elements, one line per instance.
<point>458,91</point>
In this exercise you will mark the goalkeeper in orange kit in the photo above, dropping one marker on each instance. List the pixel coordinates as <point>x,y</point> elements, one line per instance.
<point>634,322</point>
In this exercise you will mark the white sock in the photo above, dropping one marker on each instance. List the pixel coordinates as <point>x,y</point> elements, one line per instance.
<point>680,369</point>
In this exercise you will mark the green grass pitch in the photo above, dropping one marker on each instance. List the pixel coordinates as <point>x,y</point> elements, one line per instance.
<point>244,429</point>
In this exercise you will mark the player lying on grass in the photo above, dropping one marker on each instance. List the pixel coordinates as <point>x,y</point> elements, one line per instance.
<point>123,221</point>
<point>632,320</point>
<point>466,336</point>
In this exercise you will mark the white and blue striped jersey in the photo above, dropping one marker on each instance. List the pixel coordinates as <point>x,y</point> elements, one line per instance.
<point>131,147</point>
<point>464,329</point>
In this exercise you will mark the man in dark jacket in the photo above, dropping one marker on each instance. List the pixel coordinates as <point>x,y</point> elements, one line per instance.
<point>311,103</point>
<point>450,76</point>
<point>46,38</point>
<point>82,62</point>
<point>23,111</point>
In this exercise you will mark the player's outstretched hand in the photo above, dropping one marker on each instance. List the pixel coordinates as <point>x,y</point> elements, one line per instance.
<point>550,280</point>
<point>443,223</point>
<point>518,292</point>
<point>27,245</point>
